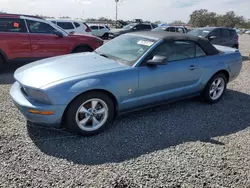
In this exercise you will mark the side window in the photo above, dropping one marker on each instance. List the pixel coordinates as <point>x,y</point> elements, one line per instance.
<point>225,33</point>
<point>66,25</point>
<point>181,50</point>
<point>199,51</point>
<point>179,30</point>
<point>215,32</point>
<point>40,27</point>
<point>176,50</point>
<point>101,27</point>
<point>143,27</point>
<point>233,33</point>
<point>76,24</point>
<point>171,29</point>
<point>94,27</point>
<point>12,25</point>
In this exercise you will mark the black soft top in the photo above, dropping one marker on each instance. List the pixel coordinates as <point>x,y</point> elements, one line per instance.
<point>172,36</point>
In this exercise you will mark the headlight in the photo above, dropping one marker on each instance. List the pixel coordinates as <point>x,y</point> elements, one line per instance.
<point>36,95</point>
<point>98,41</point>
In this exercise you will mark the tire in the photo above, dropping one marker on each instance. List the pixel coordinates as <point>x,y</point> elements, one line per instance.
<point>236,46</point>
<point>73,116</point>
<point>220,90</point>
<point>1,63</point>
<point>105,36</point>
<point>82,49</point>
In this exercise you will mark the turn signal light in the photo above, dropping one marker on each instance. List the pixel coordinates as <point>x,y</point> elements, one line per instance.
<point>41,112</point>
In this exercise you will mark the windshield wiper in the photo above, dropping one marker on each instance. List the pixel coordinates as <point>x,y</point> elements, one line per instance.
<point>105,55</point>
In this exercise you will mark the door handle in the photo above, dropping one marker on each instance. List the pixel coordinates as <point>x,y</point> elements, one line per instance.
<point>193,67</point>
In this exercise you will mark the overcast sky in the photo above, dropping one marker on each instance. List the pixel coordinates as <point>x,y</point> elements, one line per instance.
<point>164,10</point>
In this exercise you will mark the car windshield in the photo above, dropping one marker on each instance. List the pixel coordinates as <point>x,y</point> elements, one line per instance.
<point>129,26</point>
<point>200,32</point>
<point>126,49</point>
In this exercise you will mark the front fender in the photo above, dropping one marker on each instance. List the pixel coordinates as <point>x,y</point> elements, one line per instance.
<point>65,93</point>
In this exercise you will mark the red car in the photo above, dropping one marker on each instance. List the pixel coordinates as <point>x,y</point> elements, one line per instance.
<point>31,38</point>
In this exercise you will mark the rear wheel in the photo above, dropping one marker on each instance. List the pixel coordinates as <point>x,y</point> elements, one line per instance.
<point>105,36</point>
<point>236,46</point>
<point>215,88</point>
<point>90,113</point>
<point>82,49</point>
<point>1,63</point>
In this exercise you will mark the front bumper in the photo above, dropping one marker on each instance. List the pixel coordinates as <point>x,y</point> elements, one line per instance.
<point>23,104</point>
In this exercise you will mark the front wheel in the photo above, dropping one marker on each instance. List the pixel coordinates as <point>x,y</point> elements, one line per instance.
<point>90,113</point>
<point>82,49</point>
<point>215,88</point>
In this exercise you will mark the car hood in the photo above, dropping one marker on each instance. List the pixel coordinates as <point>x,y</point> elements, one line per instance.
<point>120,31</point>
<point>47,71</point>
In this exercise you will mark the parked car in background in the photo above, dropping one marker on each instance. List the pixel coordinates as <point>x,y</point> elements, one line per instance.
<point>177,29</point>
<point>132,27</point>
<point>135,70</point>
<point>100,31</point>
<point>73,26</point>
<point>218,35</point>
<point>30,38</point>
<point>240,31</point>
<point>247,31</point>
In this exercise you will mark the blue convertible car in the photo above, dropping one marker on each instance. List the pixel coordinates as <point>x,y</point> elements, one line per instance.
<point>87,90</point>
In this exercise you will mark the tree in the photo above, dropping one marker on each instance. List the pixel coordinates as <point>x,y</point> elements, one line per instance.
<point>202,18</point>
<point>230,19</point>
<point>177,22</point>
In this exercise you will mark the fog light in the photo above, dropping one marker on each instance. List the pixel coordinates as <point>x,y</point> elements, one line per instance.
<point>41,112</point>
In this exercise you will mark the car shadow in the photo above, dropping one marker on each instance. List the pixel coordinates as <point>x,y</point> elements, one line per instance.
<point>6,74</point>
<point>146,131</point>
<point>245,58</point>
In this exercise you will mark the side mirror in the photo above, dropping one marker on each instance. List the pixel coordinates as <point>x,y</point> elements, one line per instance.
<point>158,60</point>
<point>212,37</point>
<point>59,34</point>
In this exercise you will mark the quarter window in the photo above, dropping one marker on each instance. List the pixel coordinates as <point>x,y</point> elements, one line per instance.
<point>199,51</point>
<point>12,25</point>
<point>233,33</point>
<point>65,25</point>
<point>40,27</point>
<point>76,24</point>
<point>94,27</point>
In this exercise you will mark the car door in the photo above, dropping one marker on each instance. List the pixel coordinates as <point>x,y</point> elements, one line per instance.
<point>225,39</point>
<point>14,38</point>
<point>44,43</point>
<point>179,78</point>
<point>216,33</point>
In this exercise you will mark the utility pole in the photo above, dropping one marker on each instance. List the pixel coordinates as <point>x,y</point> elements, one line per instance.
<point>116,1</point>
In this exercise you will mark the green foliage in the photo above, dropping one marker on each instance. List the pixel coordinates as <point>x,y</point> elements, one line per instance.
<point>177,22</point>
<point>202,18</point>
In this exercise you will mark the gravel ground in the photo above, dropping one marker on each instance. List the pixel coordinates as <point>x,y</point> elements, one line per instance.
<point>183,144</point>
